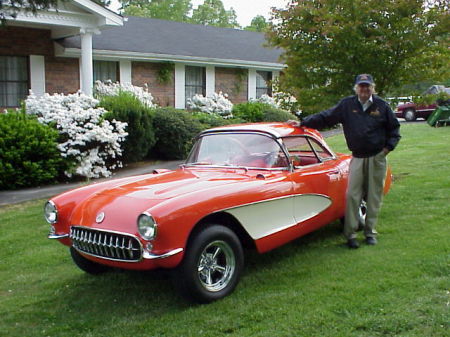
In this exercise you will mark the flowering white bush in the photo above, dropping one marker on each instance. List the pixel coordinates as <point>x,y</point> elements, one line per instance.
<point>266,99</point>
<point>217,103</point>
<point>92,142</point>
<point>109,88</point>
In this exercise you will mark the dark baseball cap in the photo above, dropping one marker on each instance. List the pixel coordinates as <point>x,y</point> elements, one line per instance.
<point>364,78</point>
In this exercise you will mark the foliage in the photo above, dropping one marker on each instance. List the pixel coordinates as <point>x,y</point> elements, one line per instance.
<point>165,72</point>
<point>94,143</point>
<point>173,10</point>
<point>28,152</point>
<point>126,107</point>
<point>113,89</point>
<point>213,13</point>
<point>12,7</point>
<point>213,120</point>
<point>217,103</point>
<point>326,43</point>
<point>273,114</point>
<point>250,111</point>
<point>313,286</point>
<point>258,24</point>
<point>174,130</point>
<point>264,110</point>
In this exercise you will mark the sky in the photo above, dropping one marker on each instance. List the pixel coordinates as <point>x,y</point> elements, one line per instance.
<point>246,10</point>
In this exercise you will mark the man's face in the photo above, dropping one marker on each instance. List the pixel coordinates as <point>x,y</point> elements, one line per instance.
<point>364,91</point>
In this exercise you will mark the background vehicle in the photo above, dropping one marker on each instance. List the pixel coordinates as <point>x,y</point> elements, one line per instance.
<point>410,111</point>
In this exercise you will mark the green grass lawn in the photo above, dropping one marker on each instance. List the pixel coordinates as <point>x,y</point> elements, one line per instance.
<point>313,286</point>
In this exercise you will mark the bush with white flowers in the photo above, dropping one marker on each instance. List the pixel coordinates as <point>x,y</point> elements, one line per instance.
<point>109,88</point>
<point>92,142</point>
<point>217,103</point>
<point>265,99</point>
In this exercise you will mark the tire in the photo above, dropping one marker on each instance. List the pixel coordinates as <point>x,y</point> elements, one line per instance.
<point>410,115</point>
<point>86,265</point>
<point>212,265</point>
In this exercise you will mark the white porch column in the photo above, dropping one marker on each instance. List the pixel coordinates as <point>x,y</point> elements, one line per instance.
<point>251,84</point>
<point>37,74</point>
<point>180,80</point>
<point>210,80</point>
<point>86,76</point>
<point>125,72</point>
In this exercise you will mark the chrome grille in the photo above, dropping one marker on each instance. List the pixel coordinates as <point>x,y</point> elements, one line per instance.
<point>107,245</point>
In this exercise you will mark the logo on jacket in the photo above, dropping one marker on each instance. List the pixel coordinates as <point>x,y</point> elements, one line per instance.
<point>100,217</point>
<point>375,112</point>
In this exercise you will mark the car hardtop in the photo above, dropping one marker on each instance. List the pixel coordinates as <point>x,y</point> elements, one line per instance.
<point>273,129</point>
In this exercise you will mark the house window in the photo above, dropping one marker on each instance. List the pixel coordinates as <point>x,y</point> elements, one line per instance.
<point>195,81</point>
<point>105,71</point>
<point>14,82</point>
<point>263,79</point>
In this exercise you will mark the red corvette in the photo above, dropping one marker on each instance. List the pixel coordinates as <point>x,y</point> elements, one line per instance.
<point>246,186</point>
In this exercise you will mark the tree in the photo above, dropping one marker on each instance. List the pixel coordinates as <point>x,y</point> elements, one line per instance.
<point>12,7</point>
<point>258,24</point>
<point>327,42</point>
<point>174,10</point>
<point>213,13</point>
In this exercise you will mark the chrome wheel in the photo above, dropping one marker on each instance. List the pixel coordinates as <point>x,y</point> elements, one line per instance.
<point>211,266</point>
<point>410,115</point>
<point>216,266</point>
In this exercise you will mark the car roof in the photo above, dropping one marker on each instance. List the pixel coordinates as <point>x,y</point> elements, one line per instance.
<point>275,129</point>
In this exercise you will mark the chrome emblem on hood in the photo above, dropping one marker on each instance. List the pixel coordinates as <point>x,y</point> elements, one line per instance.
<point>100,217</point>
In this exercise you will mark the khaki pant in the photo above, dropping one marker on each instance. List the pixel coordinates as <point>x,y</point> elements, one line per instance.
<point>366,181</point>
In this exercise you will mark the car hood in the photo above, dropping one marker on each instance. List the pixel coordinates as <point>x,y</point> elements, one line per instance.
<point>122,203</point>
<point>174,183</point>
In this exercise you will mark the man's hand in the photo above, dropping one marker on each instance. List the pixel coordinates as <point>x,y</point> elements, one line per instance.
<point>386,151</point>
<point>294,123</point>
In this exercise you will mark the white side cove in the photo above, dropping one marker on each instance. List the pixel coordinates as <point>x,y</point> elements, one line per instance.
<point>271,216</point>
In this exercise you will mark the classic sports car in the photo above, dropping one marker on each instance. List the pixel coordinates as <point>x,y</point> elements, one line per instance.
<point>246,186</point>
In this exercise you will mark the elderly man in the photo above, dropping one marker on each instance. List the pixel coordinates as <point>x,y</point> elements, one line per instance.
<point>371,132</point>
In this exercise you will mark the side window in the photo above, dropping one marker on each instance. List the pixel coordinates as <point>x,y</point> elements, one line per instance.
<point>322,152</point>
<point>13,80</point>
<point>105,71</point>
<point>304,151</point>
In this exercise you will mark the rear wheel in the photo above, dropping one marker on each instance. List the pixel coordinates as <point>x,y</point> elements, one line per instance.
<point>86,265</point>
<point>212,265</point>
<point>410,115</point>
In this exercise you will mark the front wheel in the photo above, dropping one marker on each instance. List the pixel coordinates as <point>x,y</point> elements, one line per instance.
<point>212,265</point>
<point>410,115</point>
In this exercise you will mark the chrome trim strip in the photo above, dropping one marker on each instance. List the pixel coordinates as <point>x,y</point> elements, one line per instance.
<point>57,236</point>
<point>149,256</point>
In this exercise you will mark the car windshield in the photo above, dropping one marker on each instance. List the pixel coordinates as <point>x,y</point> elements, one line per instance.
<point>238,149</point>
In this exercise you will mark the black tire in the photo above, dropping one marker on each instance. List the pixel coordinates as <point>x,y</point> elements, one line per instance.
<point>409,115</point>
<point>212,265</point>
<point>86,265</point>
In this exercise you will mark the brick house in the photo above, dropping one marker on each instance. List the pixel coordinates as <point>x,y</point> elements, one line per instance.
<point>65,50</point>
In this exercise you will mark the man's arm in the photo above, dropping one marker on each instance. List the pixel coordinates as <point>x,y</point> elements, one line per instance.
<point>324,119</point>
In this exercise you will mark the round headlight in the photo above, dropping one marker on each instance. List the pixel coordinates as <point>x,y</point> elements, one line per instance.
<point>147,226</point>
<point>50,212</point>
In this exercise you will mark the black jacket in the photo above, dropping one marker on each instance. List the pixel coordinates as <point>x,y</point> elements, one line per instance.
<point>366,133</point>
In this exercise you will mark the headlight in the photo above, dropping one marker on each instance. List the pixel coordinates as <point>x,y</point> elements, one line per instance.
<point>147,226</point>
<point>50,212</point>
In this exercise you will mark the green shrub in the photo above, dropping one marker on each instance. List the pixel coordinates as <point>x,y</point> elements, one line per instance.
<point>261,112</point>
<point>250,111</point>
<point>28,152</point>
<point>214,120</point>
<point>272,114</point>
<point>175,130</point>
<point>125,107</point>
